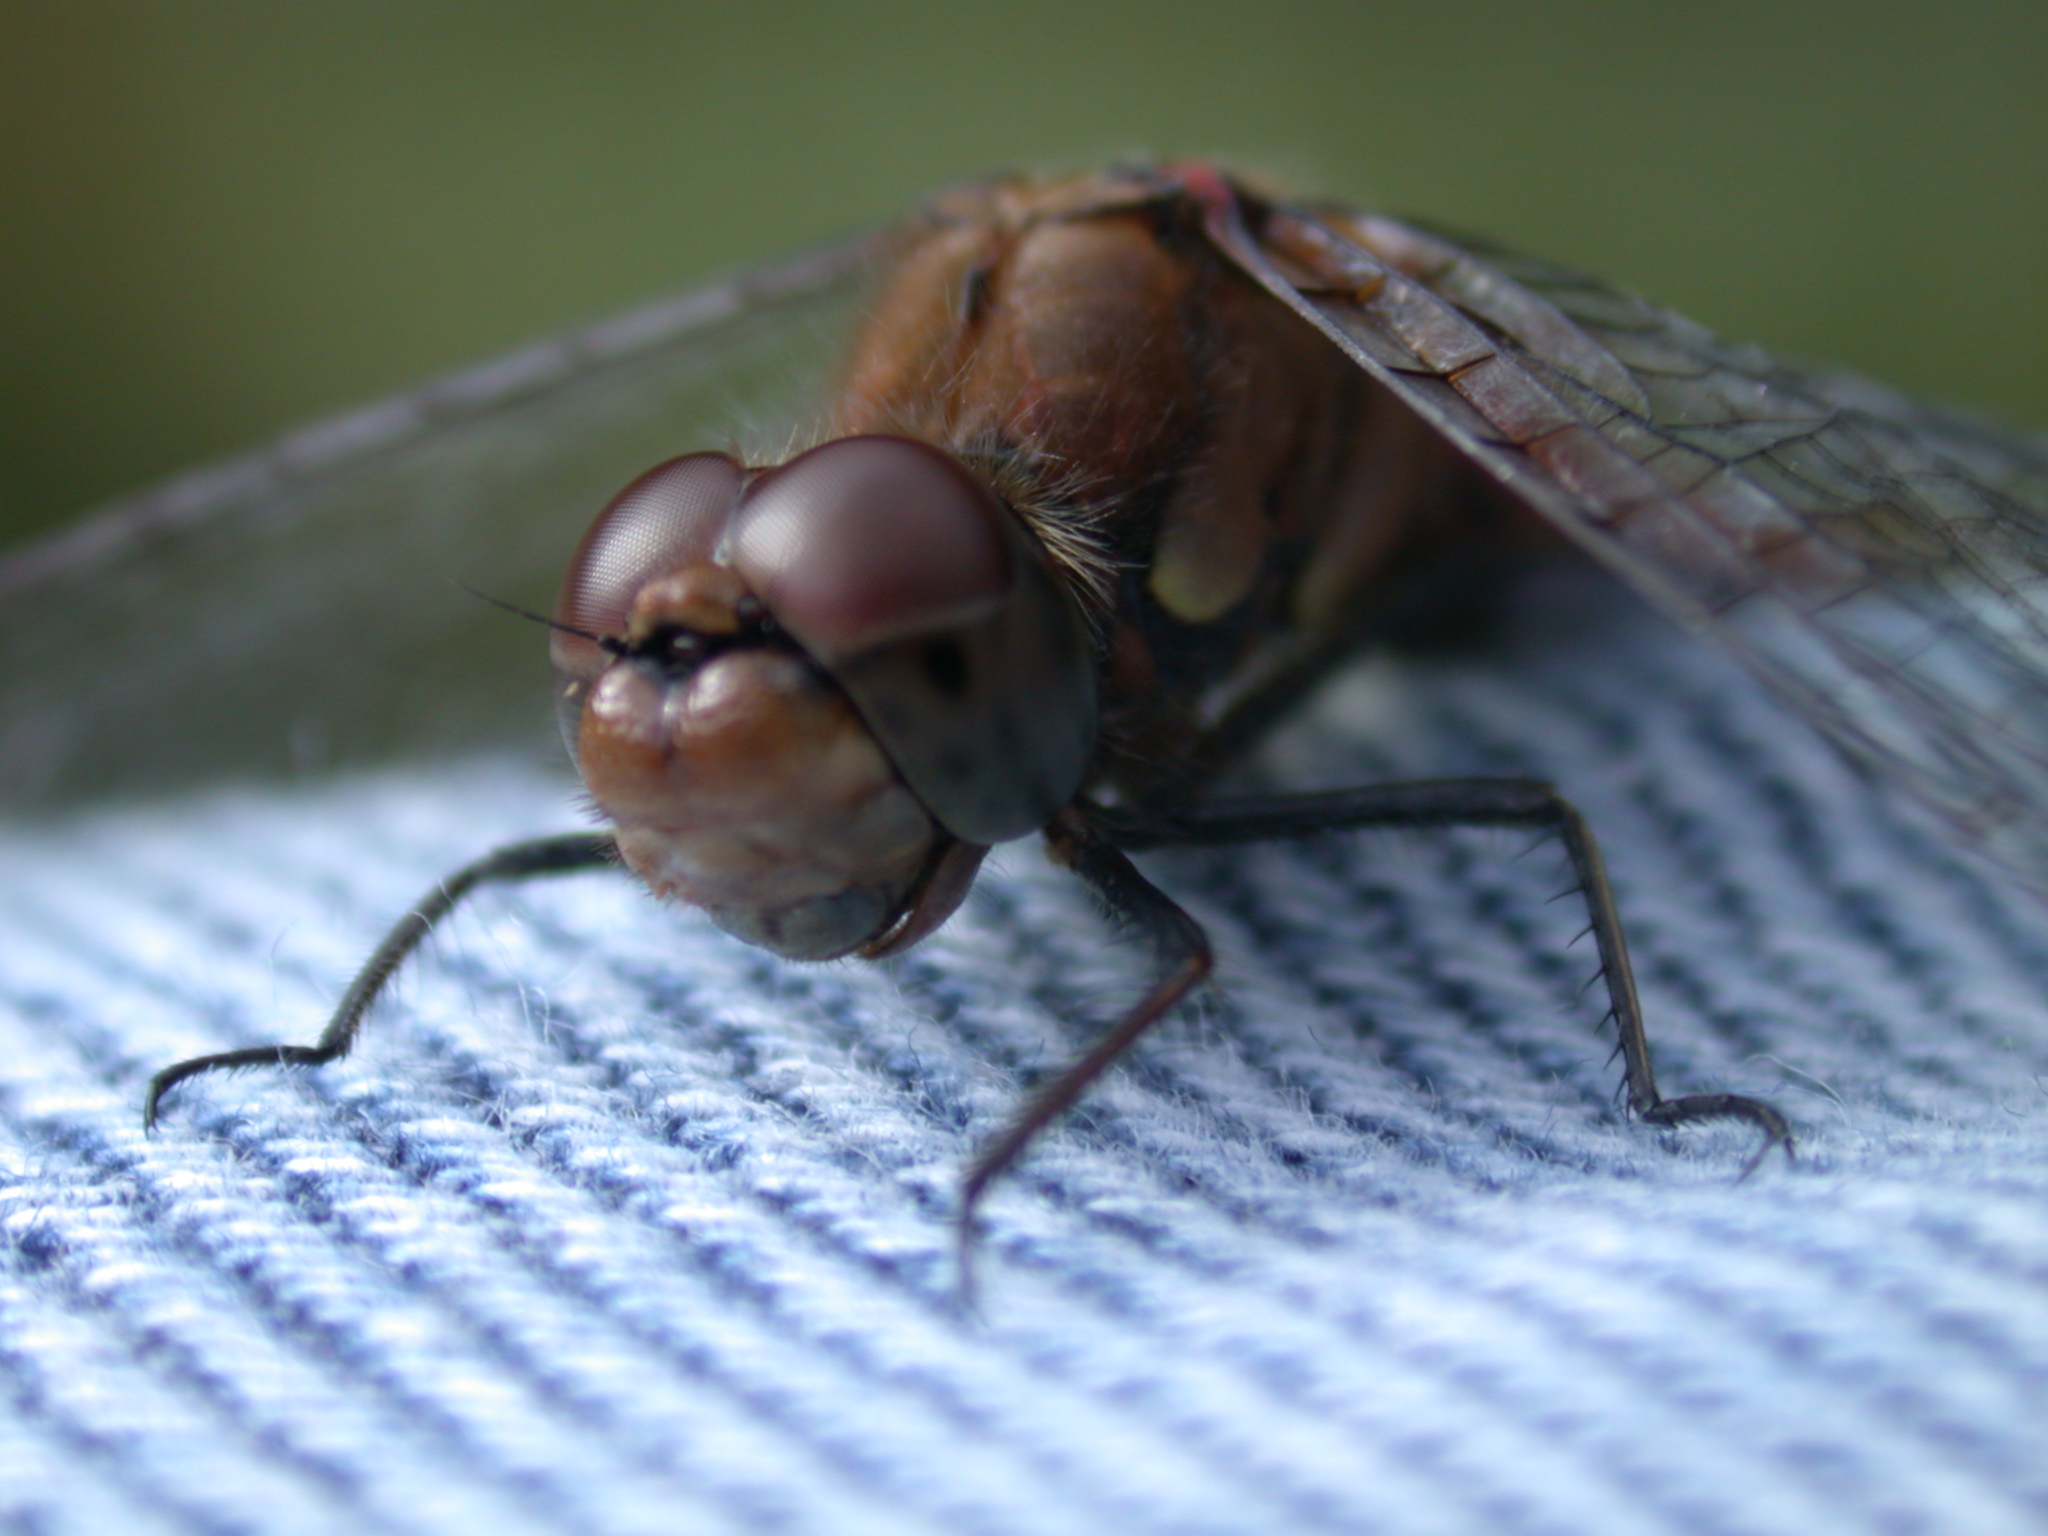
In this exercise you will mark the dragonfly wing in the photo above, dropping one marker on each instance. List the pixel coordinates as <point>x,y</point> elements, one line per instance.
<point>1879,562</point>
<point>298,606</point>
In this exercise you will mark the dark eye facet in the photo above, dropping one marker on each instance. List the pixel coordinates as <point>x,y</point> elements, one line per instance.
<point>946,664</point>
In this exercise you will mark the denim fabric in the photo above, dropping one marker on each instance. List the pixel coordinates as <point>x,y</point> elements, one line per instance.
<point>615,1225</point>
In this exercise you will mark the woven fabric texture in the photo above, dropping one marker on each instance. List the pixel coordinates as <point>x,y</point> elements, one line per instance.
<point>614,1225</point>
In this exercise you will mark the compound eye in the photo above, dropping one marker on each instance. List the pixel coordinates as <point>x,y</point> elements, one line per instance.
<point>675,513</point>
<point>868,540</point>
<point>938,615</point>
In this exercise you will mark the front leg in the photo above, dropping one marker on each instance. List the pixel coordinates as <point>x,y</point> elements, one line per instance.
<point>1129,899</point>
<point>542,856</point>
<point>1468,803</point>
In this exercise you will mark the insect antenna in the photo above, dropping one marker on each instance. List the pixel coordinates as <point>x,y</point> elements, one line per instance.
<point>609,643</point>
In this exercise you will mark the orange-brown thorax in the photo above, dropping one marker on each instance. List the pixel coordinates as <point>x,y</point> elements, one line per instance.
<point>1215,477</point>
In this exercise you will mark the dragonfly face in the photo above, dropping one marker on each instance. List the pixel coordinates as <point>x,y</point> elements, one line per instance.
<point>1119,465</point>
<point>801,695</point>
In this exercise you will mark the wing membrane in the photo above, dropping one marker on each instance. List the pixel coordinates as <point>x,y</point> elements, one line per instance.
<point>298,605</point>
<point>1879,562</point>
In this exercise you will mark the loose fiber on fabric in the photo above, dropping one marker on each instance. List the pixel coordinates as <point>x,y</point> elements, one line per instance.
<point>615,1225</point>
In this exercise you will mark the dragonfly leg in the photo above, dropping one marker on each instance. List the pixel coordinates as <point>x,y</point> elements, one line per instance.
<point>1183,949</point>
<point>562,855</point>
<point>1466,802</point>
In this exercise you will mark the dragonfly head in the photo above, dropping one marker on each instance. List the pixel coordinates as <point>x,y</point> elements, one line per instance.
<point>817,693</point>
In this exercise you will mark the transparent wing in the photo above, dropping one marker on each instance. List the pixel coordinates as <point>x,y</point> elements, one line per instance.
<point>298,607</point>
<point>1880,563</point>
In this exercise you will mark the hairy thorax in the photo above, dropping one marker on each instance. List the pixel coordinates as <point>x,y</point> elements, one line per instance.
<point>1217,481</point>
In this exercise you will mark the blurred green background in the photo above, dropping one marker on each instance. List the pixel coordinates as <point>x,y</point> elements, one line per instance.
<point>222,218</point>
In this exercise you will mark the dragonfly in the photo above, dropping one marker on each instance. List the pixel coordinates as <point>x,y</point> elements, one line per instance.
<point>1117,468</point>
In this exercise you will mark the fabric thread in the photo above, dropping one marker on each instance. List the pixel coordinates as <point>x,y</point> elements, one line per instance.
<point>614,1225</point>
